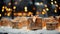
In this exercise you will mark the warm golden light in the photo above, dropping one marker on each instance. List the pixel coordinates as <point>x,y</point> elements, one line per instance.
<point>55,1</point>
<point>9,3</point>
<point>51,2</point>
<point>55,11</point>
<point>47,9</point>
<point>8,14</point>
<point>56,5</point>
<point>19,14</point>
<point>25,8</point>
<point>43,12</point>
<point>0,15</point>
<point>14,7</point>
<point>37,13</point>
<point>2,10</point>
<point>3,7</point>
<point>9,9</point>
<point>45,5</point>
<point>30,12</point>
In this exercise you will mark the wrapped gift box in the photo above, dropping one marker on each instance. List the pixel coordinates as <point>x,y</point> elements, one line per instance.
<point>35,25</point>
<point>51,25</point>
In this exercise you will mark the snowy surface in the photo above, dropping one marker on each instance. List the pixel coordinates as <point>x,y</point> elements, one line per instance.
<point>24,30</point>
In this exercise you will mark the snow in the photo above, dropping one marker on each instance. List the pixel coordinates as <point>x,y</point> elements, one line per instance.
<point>24,30</point>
